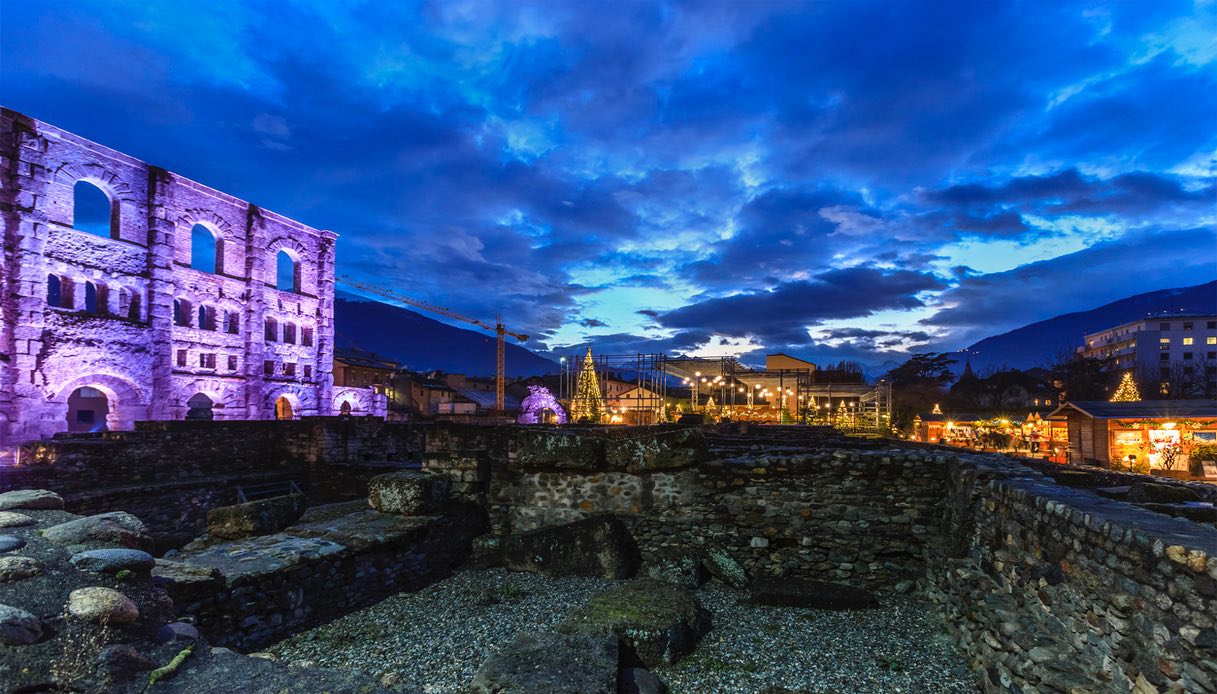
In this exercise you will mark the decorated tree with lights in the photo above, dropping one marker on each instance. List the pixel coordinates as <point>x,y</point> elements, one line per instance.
<point>588,403</point>
<point>1127,390</point>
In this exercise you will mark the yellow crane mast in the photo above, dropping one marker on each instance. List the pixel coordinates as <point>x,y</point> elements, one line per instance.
<point>498,327</point>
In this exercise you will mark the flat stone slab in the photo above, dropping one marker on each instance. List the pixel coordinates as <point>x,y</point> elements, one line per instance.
<point>113,560</point>
<point>184,581</point>
<point>14,568</point>
<point>551,663</point>
<point>255,557</point>
<point>366,529</point>
<point>657,622</point>
<point>30,499</point>
<point>8,543</point>
<point>597,546</point>
<point>261,517</point>
<point>8,519</point>
<point>801,592</point>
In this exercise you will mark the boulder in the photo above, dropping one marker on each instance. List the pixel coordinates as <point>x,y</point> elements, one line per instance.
<point>18,627</point>
<point>724,568</point>
<point>18,568</point>
<point>1158,493</point>
<point>596,546</point>
<point>261,517</point>
<point>636,680</point>
<point>785,591</point>
<point>408,493</point>
<point>676,567</point>
<point>179,631</point>
<point>8,519</point>
<point>550,663</point>
<point>8,543</point>
<point>102,606</point>
<point>186,582</point>
<point>111,561</point>
<point>657,623</point>
<point>114,528</point>
<point>30,499</point>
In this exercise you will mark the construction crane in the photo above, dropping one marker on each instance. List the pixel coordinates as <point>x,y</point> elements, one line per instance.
<point>498,327</point>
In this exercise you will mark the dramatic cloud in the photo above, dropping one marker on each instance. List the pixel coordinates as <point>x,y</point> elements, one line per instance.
<point>837,180</point>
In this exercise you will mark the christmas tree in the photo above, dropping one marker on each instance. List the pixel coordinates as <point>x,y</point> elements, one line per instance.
<point>588,403</point>
<point>1127,390</point>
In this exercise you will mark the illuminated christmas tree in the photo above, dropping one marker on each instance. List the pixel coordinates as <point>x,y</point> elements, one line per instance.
<point>1127,390</point>
<point>588,403</point>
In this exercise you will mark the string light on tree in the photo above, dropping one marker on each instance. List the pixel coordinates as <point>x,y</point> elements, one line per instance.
<point>588,403</point>
<point>1127,390</point>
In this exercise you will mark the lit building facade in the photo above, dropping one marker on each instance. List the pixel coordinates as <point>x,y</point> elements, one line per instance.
<point>183,302</point>
<point>1162,348</point>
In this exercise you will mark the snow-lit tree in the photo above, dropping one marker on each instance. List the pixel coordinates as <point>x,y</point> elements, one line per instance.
<point>1127,390</point>
<point>588,403</point>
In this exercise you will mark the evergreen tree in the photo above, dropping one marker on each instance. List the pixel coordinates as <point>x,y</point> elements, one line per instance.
<point>1127,390</point>
<point>588,403</point>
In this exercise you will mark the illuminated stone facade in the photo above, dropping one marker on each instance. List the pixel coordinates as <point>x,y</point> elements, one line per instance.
<point>143,320</point>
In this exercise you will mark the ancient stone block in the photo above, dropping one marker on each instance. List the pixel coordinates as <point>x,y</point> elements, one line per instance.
<point>551,663</point>
<point>784,591</point>
<point>261,517</point>
<point>30,499</point>
<point>657,622</point>
<point>113,560</point>
<point>114,528</point>
<point>408,493</point>
<point>660,450</point>
<point>597,546</point>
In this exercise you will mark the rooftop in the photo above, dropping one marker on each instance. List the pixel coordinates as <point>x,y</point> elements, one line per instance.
<point>1157,409</point>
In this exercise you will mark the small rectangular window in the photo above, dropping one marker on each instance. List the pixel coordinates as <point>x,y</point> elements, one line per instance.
<point>308,371</point>
<point>1165,356</point>
<point>181,357</point>
<point>1164,326</point>
<point>1164,340</point>
<point>1188,340</point>
<point>1187,325</point>
<point>207,360</point>
<point>272,331</point>
<point>232,363</point>
<point>306,337</point>
<point>289,370</point>
<point>268,367</point>
<point>1187,356</point>
<point>1212,325</point>
<point>232,323</point>
<point>1210,340</point>
<point>1211,355</point>
<point>289,333</point>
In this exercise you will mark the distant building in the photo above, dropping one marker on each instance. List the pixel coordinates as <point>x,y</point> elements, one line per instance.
<point>1165,349</point>
<point>363,384</point>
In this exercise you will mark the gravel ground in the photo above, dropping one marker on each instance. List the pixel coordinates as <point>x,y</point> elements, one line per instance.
<point>433,641</point>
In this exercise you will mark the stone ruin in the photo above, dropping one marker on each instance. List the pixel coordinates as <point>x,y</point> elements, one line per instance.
<point>176,302</point>
<point>1046,581</point>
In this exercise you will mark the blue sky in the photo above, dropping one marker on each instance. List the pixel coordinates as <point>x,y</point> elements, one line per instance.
<point>835,180</point>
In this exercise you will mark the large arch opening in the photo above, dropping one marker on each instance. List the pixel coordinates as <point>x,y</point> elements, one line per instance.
<point>345,409</point>
<point>199,407</point>
<point>206,249</point>
<point>287,272</point>
<point>88,409</point>
<point>93,211</point>
<point>284,409</point>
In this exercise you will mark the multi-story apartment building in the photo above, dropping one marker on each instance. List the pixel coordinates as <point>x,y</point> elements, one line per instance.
<point>181,302</point>
<point>1168,349</point>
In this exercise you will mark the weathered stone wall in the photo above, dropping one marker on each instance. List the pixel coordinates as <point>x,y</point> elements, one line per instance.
<point>78,309</point>
<point>1052,588</point>
<point>249,593</point>
<point>170,473</point>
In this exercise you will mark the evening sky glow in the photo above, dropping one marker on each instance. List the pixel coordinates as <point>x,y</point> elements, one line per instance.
<point>833,180</point>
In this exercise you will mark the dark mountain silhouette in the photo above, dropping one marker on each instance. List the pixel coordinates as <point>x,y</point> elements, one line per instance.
<point>423,343</point>
<point>1039,344</point>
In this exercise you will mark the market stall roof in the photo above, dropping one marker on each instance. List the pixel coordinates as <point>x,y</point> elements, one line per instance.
<point>1150,409</point>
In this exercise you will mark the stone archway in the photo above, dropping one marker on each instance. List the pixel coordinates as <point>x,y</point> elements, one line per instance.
<point>88,409</point>
<point>284,409</point>
<point>124,402</point>
<point>199,407</point>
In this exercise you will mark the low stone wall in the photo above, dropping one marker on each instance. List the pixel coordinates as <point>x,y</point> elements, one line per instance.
<point>248,593</point>
<point>170,473</point>
<point>1052,588</point>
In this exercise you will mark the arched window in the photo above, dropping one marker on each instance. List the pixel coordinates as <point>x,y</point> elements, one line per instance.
<point>133,308</point>
<point>272,330</point>
<point>287,272</point>
<point>54,291</point>
<point>181,313</point>
<point>93,211</point>
<point>206,250</point>
<point>289,333</point>
<point>232,323</point>
<point>91,297</point>
<point>203,318</point>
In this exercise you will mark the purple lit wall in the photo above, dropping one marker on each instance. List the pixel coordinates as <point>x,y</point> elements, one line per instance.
<point>126,314</point>
<point>538,401</point>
